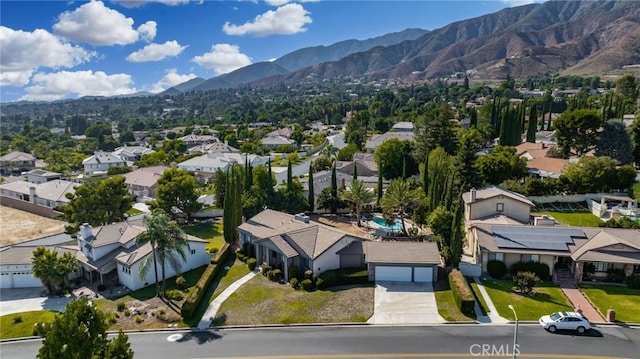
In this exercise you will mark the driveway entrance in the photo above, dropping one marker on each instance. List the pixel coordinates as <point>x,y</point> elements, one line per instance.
<point>405,303</point>
<point>28,299</point>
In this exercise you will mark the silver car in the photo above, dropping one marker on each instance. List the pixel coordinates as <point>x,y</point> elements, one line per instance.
<point>566,321</point>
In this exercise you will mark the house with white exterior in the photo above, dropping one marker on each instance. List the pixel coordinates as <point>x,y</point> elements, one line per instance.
<point>38,176</point>
<point>216,146</point>
<point>100,162</point>
<point>205,166</point>
<point>143,182</point>
<point>41,198</point>
<point>273,142</point>
<point>403,126</point>
<point>376,140</point>
<point>15,267</point>
<point>131,154</point>
<point>17,162</point>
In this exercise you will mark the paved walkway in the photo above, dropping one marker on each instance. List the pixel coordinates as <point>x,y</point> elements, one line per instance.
<point>404,303</point>
<point>580,303</point>
<point>492,316</point>
<point>214,306</point>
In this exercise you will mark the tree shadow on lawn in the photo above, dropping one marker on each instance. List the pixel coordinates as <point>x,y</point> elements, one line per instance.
<point>539,297</point>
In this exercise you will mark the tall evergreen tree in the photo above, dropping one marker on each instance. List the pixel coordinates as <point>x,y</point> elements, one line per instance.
<point>355,170</point>
<point>379,187</point>
<point>312,196</point>
<point>334,190</point>
<point>533,124</point>
<point>289,176</point>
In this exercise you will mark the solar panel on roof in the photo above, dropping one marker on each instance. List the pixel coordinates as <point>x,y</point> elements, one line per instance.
<point>543,238</point>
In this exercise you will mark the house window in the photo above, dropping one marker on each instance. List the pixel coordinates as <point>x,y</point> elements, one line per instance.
<point>602,266</point>
<point>499,207</point>
<point>496,256</point>
<point>126,270</point>
<point>193,251</point>
<point>530,258</point>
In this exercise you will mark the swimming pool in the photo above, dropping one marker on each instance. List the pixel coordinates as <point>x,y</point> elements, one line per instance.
<point>380,222</point>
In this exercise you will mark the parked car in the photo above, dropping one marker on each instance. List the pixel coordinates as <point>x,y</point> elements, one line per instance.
<point>565,320</point>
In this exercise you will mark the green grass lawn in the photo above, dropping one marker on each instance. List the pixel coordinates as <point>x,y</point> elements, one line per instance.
<point>581,219</point>
<point>447,307</point>
<point>547,299</point>
<point>19,325</point>
<point>476,292</point>
<point>211,232</point>
<point>625,301</point>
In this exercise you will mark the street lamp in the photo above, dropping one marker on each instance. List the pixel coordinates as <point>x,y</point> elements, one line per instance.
<point>515,333</point>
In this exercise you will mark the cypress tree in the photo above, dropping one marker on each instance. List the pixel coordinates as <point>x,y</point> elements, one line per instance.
<point>533,124</point>
<point>355,170</point>
<point>473,117</point>
<point>379,189</point>
<point>334,190</point>
<point>312,196</point>
<point>289,177</point>
<point>227,211</point>
<point>425,176</point>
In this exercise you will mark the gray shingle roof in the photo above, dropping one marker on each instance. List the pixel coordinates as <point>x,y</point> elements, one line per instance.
<point>402,252</point>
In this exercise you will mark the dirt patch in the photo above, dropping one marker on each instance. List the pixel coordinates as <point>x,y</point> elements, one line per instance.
<point>20,226</point>
<point>153,313</point>
<point>340,222</point>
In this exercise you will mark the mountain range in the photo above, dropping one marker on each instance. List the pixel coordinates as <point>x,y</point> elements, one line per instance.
<point>585,38</point>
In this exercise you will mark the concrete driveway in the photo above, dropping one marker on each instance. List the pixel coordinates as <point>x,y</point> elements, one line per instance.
<point>405,303</point>
<point>28,299</point>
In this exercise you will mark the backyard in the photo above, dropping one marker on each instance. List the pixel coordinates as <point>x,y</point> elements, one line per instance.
<point>624,301</point>
<point>580,219</point>
<point>546,299</point>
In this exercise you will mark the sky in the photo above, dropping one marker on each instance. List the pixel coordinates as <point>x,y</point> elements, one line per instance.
<point>53,50</point>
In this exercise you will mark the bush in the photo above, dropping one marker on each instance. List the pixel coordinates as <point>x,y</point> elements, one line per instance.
<point>633,281</point>
<point>308,274</point>
<point>139,319</point>
<point>175,294</point>
<point>307,285</point>
<point>462,293</point>
<point>293,271</point>
<point>213,250</point>
<point>17,319</point>
<point>120,306</point>
<point>274,275</point>
<point>251,263</point>
<point>294,283</point>
<point>345,276</point>
<point>266,269</point>
<point>127,312</point>
<point>525,281</point>
<point>497,269</point>
<point>615,275</point>
<point>191,303</point>
<point>181,282</point>
<point>539,269</point>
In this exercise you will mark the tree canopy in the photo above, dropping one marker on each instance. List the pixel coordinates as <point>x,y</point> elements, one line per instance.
<point>52,269</point>
<point>577,131</point>
<point>177,193</point>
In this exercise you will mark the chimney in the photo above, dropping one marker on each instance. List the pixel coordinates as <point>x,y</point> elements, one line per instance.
<point>85,231</point>
<point>32,194</point>
<point>473,195</point>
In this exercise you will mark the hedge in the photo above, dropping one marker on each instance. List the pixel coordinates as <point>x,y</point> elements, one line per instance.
<point>346,276</point>
<point>540,269</point>
<point>193,301</point>
<point>462,293</point>
<point>497,269</point>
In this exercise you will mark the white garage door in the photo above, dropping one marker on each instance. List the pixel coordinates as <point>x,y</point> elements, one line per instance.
<point>25,280</point>
<point>5,280</point>
<point>423,274</point>
<point>393,274</point>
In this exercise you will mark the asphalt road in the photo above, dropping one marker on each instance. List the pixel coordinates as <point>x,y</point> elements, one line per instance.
<point>335,342</point>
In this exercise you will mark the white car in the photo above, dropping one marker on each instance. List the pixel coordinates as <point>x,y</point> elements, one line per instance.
<point>566,321</point>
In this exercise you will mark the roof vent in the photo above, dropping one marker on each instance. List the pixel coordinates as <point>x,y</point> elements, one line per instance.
<point>301,217</point>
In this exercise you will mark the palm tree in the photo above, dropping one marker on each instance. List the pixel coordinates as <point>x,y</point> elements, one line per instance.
<point>329,151</point>
<point>51,269</point>
<point>359,195</point>
<point>168,243</point>
<point>398,198</point>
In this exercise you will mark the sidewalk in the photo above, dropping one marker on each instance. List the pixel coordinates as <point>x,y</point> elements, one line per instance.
<point>580,303</point>
<point>492,316</point>
<point>214,306</point>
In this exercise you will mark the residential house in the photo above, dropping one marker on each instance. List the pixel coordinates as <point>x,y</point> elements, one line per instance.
<point>213,147</point>
<point>38,176</point>
<point>606,249</point>
<point>131,154</point>
<point>16,162</point>
<point>16,268</point>
<point>195,140</point>
<point>41,199</point>
<point>143,182</point>
<point>538,164</point>
<point>205,166</point>
<point>403,126</point>
<point>365,163</point>
<point>284,132</point>
<point>100,162</point>
<point>376,140</point>
<point>274,142</point>
<point>402,261</point>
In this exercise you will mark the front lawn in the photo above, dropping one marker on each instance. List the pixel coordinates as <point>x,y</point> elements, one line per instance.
<point>447,307</point>
<point>547,298</point>
<point>261,301</point>
<point>211,232</point>
<point>20,325</point>
<point>580,219</point>
<point>624,301</point>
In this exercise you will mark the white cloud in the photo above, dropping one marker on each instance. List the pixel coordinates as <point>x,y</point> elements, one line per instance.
<point>276,2</point>
<point>96,24</point>
<point>223,58</point>
<point>285,20</point>
<point>22,53</point>
<point>156,52</point>
<point>140,3</point>
<point>67,84</point>
<point>172,78</point>
<point>513,3</point>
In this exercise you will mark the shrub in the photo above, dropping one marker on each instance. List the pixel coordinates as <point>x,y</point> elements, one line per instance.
<point>175,294</point>
<point>139,319</point>
<point>540,269</point>
<point>120,306</point>
<point>161,311</point>
<point>525,281</point>
<point>266,269</point>
<point>251,263</point>
<point>615,275</point>
<point>293,271</point>
<point>274,275</point>
<point>191,303</point>
<point>307,285</point>
<point>345,276</point>
<point>308,274</point>
<point>241,257</point>
<point>127,312</point>
<point>497,269</point>
<point>462,293</point>
<point>213,250</point>
<point>17,319</point>
<point>633,281</point>
<point>294,283</point>
<point>181,282</point>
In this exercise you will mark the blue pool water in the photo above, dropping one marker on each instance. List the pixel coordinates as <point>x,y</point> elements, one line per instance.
<point>380,221</point>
